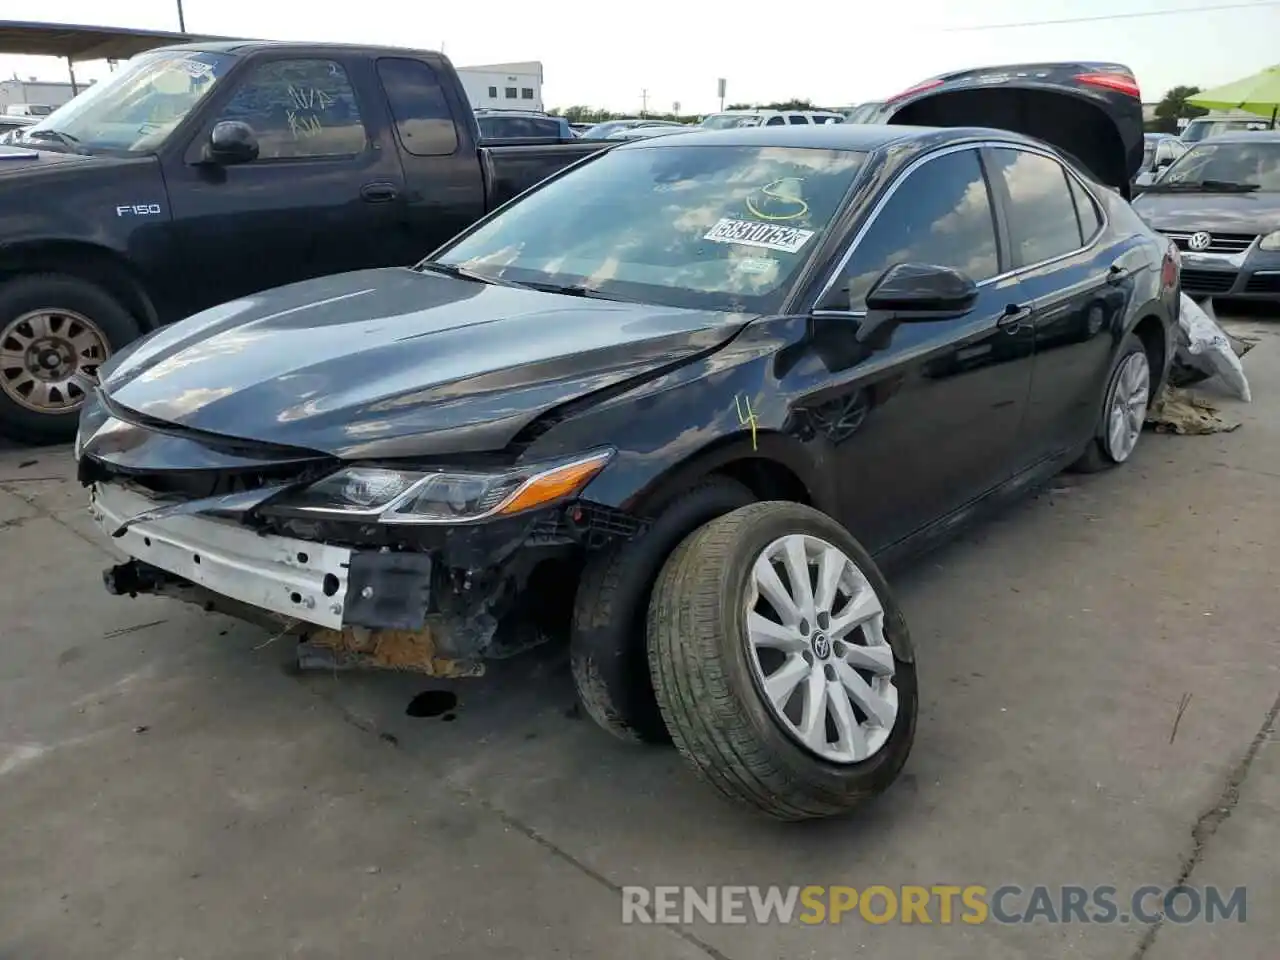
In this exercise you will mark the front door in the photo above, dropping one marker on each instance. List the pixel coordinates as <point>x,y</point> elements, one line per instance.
<point>930,423</point>
<point>324,193</point>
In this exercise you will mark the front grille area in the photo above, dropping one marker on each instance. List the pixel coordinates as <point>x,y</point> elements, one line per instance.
<point>1263,283</point>
<point>1208,281</point>
<point>1218,242</point>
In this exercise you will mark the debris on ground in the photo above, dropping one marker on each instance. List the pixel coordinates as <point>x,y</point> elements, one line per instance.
<point>1179,411</point>
<point>359,648</point>
<point>1205,350</point>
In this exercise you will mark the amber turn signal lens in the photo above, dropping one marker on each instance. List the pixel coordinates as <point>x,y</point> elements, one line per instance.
<point>554,484</point>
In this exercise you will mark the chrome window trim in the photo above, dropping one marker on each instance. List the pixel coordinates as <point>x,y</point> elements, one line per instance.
<point>915,165</point>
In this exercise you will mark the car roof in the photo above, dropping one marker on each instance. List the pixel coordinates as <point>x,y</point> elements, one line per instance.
<point>251,46</point>
<point>864,137</point>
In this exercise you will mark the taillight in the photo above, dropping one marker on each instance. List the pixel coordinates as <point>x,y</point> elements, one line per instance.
<point>1119,82</point>
<point>918,88</point>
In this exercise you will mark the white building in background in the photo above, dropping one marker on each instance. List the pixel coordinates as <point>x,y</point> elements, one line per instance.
<point>51,94</point>
<point>510,86</point>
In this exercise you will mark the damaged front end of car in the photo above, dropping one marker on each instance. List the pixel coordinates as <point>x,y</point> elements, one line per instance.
<point>425,567</point>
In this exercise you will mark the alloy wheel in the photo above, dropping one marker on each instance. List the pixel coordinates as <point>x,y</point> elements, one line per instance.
<point>47,355</point>
<point>817,649</point>
<point>1130,393</point>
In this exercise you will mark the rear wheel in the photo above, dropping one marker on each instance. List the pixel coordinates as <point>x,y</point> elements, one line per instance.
<point>55,332</point>
<point>782,663</point>
<point>1124,410</point>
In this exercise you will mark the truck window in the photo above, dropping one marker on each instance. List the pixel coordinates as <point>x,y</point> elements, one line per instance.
<point>424,121</point>
<point>298,109</point>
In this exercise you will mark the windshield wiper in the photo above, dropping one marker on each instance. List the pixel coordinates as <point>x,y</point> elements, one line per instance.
<point>567,289</point>
<point>462,273</point>
<point>1203,186</point>
<point>66,139</point>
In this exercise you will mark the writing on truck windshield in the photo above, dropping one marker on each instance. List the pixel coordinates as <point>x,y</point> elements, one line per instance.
<point>136,108</point>
<point>712,227</point>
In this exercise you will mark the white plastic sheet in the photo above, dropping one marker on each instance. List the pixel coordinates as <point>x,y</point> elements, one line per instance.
<point>1204,346</point>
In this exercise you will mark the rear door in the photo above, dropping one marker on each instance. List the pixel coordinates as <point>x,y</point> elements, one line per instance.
<point>445,189</point>
<point>322,197</point>
<point>930,423</point>
<point>1076,277</point>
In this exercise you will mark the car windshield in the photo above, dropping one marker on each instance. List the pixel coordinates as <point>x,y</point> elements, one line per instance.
<point>1251,166</point>
<point>730,121</point>
<point>1198,130</point>
<point>135,108</point>
<point>711,227</point>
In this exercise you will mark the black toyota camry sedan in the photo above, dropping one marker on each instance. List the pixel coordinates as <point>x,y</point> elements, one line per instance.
<point>680,402</point>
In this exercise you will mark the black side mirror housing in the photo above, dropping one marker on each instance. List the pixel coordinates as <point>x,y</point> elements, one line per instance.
<point>231,142</point>
<point>915,293</point>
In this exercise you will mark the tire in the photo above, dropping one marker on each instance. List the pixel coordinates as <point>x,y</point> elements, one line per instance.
<point>1099,455</point>
<point>65,298</point>
<point>709,691</point>
<point>607,648</point>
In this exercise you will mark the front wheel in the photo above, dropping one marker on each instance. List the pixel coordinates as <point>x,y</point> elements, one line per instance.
<point>55,331</point>
<point>781,662</point>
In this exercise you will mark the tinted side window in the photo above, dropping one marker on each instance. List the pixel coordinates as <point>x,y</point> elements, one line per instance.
<point>774,122</point>
<point>423,118</point>
<point>1042,215</point>
<point>299,108</point>
<point>798,118</point>
<point>545,128</point>
<point>941,214</point>
<point>1090,218</point>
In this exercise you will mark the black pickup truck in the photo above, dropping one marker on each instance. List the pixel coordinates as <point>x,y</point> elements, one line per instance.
<point>203,173</point>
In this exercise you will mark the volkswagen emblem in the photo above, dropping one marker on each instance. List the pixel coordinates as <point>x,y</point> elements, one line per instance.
<point>1199,241</point>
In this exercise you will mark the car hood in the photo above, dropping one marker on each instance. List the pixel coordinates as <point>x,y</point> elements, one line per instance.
<point>1221,212</point>
<point>394,362</point>
<point>18,159</point>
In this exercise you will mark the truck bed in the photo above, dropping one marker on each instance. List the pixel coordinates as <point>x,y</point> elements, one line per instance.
<point>510,169</point>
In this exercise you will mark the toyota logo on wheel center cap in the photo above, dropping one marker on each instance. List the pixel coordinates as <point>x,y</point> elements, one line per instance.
<point>1199,241</point>
<point>821,646</point>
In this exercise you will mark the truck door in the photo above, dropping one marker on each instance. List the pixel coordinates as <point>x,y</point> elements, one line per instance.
<point>324,195</point>
<point>445,190</point>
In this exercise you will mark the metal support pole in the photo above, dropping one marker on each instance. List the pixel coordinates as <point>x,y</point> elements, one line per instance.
<point>71,69</point>
<point>182,21</point>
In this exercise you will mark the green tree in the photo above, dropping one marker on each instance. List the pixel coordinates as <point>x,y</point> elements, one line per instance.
<point>1173,106</point>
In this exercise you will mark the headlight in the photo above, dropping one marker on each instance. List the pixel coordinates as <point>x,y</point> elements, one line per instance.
<point>445,496</point>
<point>1271,241</point>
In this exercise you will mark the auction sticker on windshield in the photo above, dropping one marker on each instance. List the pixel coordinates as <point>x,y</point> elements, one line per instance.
<point>750,233</point>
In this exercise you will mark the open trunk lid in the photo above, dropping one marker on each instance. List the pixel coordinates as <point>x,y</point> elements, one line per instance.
<point>1090,111</point>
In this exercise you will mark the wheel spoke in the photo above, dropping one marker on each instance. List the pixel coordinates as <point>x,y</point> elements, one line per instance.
<point>871,703</point>
<point>813,726</point>
<point>877,659</point>
<point>41,325</point>
<point>798,573</point>
<point>770,586</point>
<point>12,358</point>
<point>850,738</point>
<point>782,683</point>
<point>830,568</point>
<point>764,632</point>
<point>861,608</point>
<point>85,343</point>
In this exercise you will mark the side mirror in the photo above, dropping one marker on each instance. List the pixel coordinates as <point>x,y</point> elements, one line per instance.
<point>231,142</point>
<point>915,293</point>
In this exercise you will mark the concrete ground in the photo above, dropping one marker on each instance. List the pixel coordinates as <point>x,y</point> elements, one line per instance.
<point>167,790</point>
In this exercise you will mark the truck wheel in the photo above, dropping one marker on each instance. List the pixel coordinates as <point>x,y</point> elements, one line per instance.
<point>1124,410</point>
<point>607,642</point>
<point>781,662</point>
<point>53,327</point>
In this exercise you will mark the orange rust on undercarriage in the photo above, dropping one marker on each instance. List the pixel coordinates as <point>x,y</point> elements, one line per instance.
<point>409,650</point>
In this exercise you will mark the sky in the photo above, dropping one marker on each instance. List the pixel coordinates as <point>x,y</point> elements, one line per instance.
<point>661,52</point>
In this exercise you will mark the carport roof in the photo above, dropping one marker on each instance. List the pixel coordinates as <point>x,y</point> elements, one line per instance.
<point>78,43</point>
